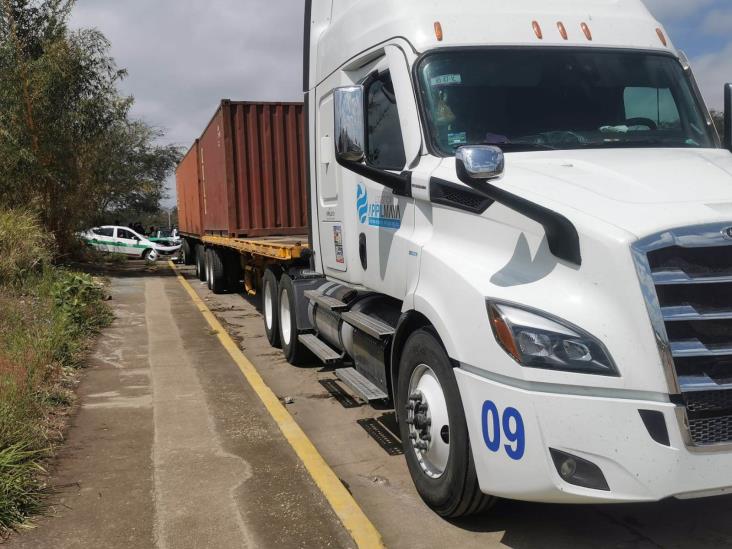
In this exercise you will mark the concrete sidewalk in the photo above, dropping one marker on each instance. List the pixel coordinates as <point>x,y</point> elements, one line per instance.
<point>170,448</point>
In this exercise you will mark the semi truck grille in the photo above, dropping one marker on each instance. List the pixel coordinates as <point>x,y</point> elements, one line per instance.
<point>687,278</point>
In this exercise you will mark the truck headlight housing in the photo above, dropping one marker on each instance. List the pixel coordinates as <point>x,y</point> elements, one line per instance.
<point>538,340</point>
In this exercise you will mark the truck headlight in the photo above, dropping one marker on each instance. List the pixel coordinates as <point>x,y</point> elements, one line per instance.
<point>538,340</point>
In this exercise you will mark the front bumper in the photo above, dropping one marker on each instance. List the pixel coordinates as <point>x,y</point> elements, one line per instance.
<point>607,432</point>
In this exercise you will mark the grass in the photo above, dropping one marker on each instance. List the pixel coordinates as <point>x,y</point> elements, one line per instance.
<point>48,316</point>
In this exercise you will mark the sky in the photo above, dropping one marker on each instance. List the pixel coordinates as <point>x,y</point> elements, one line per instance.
<point>183,56</point>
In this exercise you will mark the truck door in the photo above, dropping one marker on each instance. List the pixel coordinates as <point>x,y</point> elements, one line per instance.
<point>364,227</point>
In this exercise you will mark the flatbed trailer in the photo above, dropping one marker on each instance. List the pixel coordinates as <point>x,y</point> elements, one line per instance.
<point>243,259</point>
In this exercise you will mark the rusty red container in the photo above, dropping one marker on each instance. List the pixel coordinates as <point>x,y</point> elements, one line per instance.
<point>252,170</point>
<point>188,186</point>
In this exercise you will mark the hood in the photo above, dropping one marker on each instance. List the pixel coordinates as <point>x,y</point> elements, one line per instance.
<point>641,191</point>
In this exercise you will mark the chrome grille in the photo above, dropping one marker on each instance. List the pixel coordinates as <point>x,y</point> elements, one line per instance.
<point>687,280</point>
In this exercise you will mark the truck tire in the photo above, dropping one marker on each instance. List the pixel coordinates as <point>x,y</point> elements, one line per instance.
<point>295,352</point>
<point>201,263</point>
<point>186,251</point>
<point>271,307</point>
<point>443,470</point>
<point>218,281</point>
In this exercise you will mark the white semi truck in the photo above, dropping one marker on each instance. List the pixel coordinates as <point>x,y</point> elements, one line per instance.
<point>521,234</point>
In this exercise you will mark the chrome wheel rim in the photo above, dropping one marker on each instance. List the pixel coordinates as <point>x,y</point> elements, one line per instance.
<point>268,305</point>
<point>429,423</point>
<point>285,317</point>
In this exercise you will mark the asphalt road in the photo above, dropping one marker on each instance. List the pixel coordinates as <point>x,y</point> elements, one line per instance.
<point>171,448</point>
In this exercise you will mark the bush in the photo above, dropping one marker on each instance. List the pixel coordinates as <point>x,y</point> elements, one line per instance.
<point>47,317</point>
<point>24,246</point>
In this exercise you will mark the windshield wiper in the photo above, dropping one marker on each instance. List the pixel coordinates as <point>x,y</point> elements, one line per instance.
<point>639,143</point>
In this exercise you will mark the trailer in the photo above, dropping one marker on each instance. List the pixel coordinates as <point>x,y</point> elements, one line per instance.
<point>242,198</point>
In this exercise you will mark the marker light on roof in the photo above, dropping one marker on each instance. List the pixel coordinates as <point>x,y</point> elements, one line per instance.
<point>662,37</point>
<point>587,31</point>
<point>438,31</point>
<point>537,30</point>
<point>562,30</point>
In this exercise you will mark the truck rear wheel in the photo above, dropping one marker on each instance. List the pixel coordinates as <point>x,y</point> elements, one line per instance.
<point>217,274</point>
<point>271,307</point>
<point>295,352</point>
<point>201,263</point>
<point>186,251</point>
<point>433,429</point>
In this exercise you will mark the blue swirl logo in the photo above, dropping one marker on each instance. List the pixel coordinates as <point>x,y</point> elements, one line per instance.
<point>362,203</point>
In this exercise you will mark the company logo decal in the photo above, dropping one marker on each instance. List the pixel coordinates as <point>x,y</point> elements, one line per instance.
<point>362,203</point>
<point>386,213</point>
<point>727,233</point>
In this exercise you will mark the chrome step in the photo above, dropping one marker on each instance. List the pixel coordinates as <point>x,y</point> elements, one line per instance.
<point>368,324</point>
<point>689,312</point>
<point>695,348</point>
<point>327,302</point>
<point>360,384</point>
<point>677,276</point>
<point>319,348</point>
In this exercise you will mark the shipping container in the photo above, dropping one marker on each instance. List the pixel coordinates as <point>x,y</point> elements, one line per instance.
<point>188,186</point>
<point>252,171</point>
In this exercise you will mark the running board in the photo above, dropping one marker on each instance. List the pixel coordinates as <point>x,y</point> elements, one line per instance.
<point>319,348</point>
<point>368,324</point>
<point>360,385</point>
<point>327,302</point>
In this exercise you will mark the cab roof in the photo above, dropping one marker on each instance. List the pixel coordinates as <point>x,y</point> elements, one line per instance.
<point>342,29</point>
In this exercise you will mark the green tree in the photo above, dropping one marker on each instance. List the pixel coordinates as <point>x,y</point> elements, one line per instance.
<point>69,149</point>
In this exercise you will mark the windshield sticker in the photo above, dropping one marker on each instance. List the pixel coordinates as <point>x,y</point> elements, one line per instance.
<point>456,139</point>
<point>446,80</point>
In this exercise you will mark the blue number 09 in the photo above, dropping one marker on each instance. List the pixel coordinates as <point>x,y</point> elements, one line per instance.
<point>511,424</point>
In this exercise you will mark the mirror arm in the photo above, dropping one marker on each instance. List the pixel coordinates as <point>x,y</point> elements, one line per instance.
<point>399,183</point>
<point>728,117</point>
<point>561,234</point>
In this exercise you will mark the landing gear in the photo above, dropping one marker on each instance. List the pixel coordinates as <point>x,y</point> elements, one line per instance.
<point>433,429</point>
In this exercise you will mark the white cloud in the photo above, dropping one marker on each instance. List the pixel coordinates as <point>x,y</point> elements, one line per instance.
<point>712,71</point>
<point>718,22</point>
<point>675,9</point>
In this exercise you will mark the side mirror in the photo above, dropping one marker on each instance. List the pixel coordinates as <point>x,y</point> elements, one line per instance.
<point>727,139</point>
<point>479,163</point>
<point>349,123</point>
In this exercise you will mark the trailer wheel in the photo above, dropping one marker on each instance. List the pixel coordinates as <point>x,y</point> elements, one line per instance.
<point>295,352</point>
<point>270,307</point>
<point>187,251</point>
<point>433,429</point>
<point>207,263</point>
<point>201,263</point>
<point>218,281</point>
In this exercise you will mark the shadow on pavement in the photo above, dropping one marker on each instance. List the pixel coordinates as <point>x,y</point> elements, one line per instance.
<point>669,523</point>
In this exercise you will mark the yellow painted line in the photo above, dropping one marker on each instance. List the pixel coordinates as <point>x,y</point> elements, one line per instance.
<point>350,514</point>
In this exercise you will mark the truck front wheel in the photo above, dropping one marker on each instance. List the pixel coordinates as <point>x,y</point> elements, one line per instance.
<point>433,429</point>
<point>271,307</point>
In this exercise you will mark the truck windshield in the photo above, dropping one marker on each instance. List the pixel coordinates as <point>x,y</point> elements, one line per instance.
<point>543,99</point>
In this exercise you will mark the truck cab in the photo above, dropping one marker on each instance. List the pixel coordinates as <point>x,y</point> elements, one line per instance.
<point>521,234</point>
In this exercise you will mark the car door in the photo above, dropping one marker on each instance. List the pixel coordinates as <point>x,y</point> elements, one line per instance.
<point>102,238</point>
<point>127,242</point>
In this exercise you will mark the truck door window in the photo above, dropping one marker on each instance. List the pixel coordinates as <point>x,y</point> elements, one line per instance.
<point>385,145</point>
